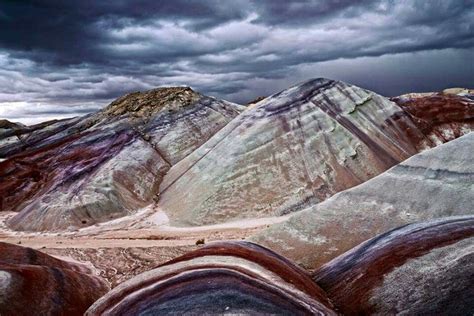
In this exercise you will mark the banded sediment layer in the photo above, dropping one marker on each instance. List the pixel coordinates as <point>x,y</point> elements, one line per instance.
<point>421,268</point>
<point>298,147</point>
<point>435,183</point>
<point>220,278</point>
<point>425,268</point>
<point>81,171</point>
<point>33,283</point>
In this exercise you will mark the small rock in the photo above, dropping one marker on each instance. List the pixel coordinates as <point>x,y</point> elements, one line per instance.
<point>200,241</point>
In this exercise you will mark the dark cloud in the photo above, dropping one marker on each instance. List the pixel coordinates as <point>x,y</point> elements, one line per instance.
<point>67,32</point>
<point>70,57</point>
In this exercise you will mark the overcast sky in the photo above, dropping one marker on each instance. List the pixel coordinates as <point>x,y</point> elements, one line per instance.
<point>67,58</point>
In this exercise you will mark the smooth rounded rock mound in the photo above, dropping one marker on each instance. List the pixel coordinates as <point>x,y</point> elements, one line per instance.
<point>33,283</point>
<point>221,278</point>
<point>419,269</point>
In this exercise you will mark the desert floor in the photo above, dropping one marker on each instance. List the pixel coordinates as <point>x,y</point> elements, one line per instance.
<point>125,247</point>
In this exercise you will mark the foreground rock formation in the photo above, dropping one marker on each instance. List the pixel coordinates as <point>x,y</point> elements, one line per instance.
<point>77,172</point>
<point>231,277</point>
<point>300,146</point>
<point>435,183</point>
<point>33,283</point>
<point>419,269</point>
<point>425,268</point>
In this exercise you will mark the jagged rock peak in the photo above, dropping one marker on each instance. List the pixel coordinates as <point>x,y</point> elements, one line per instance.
<point>143,104</point>
<point>459,91</point>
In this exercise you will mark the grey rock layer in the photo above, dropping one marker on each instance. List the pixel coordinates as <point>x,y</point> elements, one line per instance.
<point>435,183</point>
<point>78,172</point>
<point>289,151</point>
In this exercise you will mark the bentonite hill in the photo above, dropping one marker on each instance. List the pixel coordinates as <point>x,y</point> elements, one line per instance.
<point>352,203</point>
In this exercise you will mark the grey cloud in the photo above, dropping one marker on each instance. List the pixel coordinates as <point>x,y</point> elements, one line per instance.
<point>76,56</point>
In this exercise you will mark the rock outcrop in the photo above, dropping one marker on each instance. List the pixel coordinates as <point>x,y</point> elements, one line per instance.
<point>220,278</point>
<point>425,268</point>
<point>78,172</point>
<point>419,269</point>
<point>300,146</point>
<point>441,116</point>
<point>435,183</point>
<point>15,138</point>
<point>33,283</point>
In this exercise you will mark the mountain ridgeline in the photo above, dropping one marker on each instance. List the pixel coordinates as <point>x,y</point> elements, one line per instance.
<point>208,161</point>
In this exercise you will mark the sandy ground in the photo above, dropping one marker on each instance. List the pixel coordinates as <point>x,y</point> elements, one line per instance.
<point>125,247</point>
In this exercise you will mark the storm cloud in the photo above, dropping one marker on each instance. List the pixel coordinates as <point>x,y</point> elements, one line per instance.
<point>66,58</point>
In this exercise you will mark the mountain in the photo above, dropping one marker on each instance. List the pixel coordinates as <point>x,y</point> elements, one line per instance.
<point>300,146</point>
<point>435,183</point>
<point>359,170</point>
<point>33,283</point>
<point>208,161</point>
<point>77,172</point>
<point>16,137</point>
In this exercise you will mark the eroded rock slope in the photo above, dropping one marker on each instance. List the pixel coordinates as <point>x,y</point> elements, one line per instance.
<point>425,268</point>
<point>435,183</point>
<point>302,145</point>
<point>81,171</point>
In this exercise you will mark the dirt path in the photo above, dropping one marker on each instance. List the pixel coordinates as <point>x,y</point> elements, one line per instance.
<point>123,248</point>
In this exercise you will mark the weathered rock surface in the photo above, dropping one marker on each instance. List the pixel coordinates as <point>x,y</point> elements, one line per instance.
<point>15,138</point>
<point>230,277</point>
<point>33,283</point>
<point>283,154</point>
<point>301,146</point>
<point>435,183</point>
<point>81,171</point>
<point>419,269</point>
<point>441,116</point>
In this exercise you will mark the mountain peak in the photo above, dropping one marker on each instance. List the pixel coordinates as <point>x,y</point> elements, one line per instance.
<point>143,104</point>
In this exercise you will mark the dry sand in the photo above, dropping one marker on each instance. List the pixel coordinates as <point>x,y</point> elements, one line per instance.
<point>123,248</point>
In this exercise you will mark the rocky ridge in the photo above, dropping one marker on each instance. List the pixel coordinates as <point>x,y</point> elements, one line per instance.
<point>81,171</point>
<point>424,268</point>
<point>300,146</point>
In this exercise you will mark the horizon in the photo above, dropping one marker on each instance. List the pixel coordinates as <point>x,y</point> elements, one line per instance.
<point>70,59</point>
<point>41,119</point>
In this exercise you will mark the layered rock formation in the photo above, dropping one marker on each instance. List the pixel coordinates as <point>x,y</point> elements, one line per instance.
<point>284,153</point>
<point>81,171</point>
<point>442,116</point>
<point>15,138</point>
<point>222,278</point>
<point>33,283</point>
<point>419,269</point>
<point>435,183</point>
<point>425,268</point>
<point>301,146</point>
